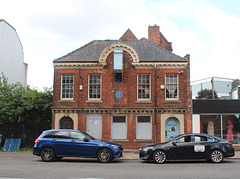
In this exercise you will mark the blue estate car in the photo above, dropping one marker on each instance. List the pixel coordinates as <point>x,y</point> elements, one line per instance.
<point>55,144</point>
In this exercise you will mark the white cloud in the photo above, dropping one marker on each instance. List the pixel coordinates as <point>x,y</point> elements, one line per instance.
<point>224,42</point>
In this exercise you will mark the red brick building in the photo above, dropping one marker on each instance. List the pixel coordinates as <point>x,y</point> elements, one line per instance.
<point>131,91</point>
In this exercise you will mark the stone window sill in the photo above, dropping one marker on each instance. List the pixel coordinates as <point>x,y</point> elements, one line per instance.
<point>118,140</point>
<point>143,140</point>
<point>172,101</point>
<point>66,101</point>
<point>144,101</point>
<point>94,101</point>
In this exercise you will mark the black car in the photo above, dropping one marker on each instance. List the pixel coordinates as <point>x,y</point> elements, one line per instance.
<point>55,144</point>
<point>189,146</point>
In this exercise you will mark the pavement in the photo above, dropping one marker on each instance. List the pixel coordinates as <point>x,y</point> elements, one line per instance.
<point>133,154</point>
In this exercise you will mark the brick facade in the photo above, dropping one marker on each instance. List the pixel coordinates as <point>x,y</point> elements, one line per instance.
<point>128,105</point>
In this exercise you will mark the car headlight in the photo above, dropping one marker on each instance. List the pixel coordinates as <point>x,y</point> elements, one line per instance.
<point>115,147</point>
<point>145,149</point>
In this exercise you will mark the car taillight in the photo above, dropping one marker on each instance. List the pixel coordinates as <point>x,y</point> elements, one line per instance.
<point>229,143</point>
<point>36,141</point>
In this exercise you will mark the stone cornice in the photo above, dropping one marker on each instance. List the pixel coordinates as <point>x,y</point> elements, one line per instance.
<point>159,65</point>
<point>119,110</point>
<point>137,65</point>
<point>79,65</point>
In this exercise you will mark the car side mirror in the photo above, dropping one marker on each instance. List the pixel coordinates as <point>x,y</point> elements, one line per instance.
<point>174,143</point>
<point>85,139</point>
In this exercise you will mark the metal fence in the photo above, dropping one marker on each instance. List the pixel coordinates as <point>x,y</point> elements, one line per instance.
<point>26,131</point>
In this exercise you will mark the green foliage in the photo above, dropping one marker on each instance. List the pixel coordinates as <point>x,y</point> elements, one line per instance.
<point>207,94</point>
<point>23,104</point>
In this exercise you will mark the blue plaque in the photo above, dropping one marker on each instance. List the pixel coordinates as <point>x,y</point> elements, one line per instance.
<point>119,94</point>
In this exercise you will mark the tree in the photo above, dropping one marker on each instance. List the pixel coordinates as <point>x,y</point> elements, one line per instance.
<point>24,104</point>
<point>207,94</point>
<point>37,105</point>
<point>10,100</point>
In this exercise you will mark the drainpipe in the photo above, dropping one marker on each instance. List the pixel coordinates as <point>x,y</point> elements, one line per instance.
<point>155,105</point>
<point>221,126</point>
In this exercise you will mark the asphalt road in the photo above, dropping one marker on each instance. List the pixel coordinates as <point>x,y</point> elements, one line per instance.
<point>25,165</point>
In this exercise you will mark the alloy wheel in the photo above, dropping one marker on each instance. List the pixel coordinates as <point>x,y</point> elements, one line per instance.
<point>47,154</point>
<point>216,156</point>
<point>104,155</point>
<point>159,156</point>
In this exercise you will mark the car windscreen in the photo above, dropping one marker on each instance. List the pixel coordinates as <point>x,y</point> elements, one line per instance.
<point>172,139</point>
<point>91,137</point>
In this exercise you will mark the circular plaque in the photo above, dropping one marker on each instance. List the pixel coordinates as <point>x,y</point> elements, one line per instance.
<point>119,94</point>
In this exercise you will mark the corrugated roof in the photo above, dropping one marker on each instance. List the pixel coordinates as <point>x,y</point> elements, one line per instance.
<point>146,50</point>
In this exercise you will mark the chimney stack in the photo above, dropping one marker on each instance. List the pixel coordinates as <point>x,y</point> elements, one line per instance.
<point>156,36</point>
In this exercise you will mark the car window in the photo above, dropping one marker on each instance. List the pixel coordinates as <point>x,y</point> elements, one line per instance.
<point>184,139</point>
<point>50,135</point>
<point>203,139</point>
<point>91,137</point>
<point>62,135</point>
<point>77,135</point>
<point>210,139</point>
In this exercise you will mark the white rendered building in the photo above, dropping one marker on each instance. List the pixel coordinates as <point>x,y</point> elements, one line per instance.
<point>11,55</point>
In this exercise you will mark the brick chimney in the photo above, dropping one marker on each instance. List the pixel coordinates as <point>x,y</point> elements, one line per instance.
<point>156,36</point>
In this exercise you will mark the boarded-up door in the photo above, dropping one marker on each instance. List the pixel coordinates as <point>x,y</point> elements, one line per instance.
<point>94,125</point>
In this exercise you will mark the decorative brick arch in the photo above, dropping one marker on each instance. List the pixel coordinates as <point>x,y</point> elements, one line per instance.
<point>118,46</point>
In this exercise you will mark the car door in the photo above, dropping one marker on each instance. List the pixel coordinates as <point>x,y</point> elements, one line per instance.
<point>181,148</point>
<point>202,146</point>
<point>82,147</point>
<point>62,143</point>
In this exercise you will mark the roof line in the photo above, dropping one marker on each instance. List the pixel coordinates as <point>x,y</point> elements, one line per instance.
<point>8,24</point>
<point>2,20</point>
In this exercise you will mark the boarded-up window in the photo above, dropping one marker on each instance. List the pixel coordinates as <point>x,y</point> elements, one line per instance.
<point>119,127</point>
<point>144,127</point>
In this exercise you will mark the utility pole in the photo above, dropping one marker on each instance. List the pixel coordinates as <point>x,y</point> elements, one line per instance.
<point>213,95</point>
<point>155,105</point>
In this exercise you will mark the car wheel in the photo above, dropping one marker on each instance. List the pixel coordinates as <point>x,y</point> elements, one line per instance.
<point>159,156</point>
<point>104,155</point>
<point>47,154</point>
<point>216,156</point>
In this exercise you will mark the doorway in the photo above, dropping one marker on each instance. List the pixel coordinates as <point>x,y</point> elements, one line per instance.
<point>94,125</point>
<point>66,123</point>
<point>172,128</point>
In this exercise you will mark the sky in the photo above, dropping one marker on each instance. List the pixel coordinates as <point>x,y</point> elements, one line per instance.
<point>208,30</point>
